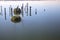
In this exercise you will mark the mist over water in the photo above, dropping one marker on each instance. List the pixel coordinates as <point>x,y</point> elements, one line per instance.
<point>45,25</point>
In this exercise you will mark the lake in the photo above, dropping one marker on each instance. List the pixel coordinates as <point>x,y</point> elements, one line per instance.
<point>45,25</point>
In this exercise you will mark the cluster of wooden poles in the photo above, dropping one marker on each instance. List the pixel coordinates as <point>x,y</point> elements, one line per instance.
<point>18,11</point>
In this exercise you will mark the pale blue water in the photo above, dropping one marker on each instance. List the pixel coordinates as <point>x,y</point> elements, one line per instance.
<point>43,26</point>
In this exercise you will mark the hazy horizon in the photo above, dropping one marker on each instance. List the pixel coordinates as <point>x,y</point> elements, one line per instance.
<point>29,0</point>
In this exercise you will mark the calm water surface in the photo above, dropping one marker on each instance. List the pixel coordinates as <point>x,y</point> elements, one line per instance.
<point>43,26</point>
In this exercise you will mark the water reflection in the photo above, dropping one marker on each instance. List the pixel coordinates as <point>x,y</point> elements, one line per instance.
<point>44,10</point>
<point>15,19</point>
<point>35,11</point>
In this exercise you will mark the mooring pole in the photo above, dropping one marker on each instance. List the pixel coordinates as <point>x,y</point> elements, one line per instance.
<point>11,12</point>
<point>5,12</point>
<point>22,10</point>
<point>27,9</point>
<point>1,10</point>
<point>30,10</point>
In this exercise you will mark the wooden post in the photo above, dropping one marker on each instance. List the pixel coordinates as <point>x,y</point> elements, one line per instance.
<point>27,9</point>
<point>30,10</point>
<point>1,10</point>
<point>11,12</point>
<point>22,10</point>
<point>5,12</point>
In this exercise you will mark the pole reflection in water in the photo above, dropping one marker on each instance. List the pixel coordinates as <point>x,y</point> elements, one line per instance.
<point>22,10</point>
<point>44,10</point>
<point>30,10</point>
<point>35,11</point>
<point>16,19</point>
<point>5,12</point>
